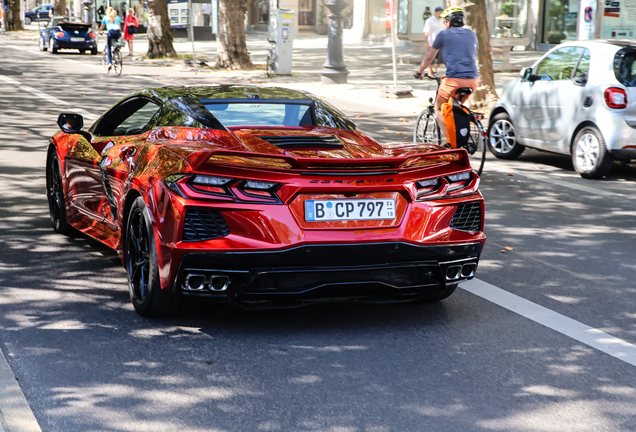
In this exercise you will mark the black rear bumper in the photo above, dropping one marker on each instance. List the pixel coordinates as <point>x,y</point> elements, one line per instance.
<point>318,272</point>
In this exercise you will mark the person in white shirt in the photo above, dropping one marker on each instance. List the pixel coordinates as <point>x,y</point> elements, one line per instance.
<point>206,9</point>
<point>432,27</point>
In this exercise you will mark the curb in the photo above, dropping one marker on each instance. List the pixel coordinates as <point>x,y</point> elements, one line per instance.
<point>15,412</point>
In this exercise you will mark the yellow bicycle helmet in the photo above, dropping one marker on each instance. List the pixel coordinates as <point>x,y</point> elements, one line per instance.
<point>454,15</point>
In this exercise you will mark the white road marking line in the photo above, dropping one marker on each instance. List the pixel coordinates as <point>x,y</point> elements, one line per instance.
<point>47,97</point>
<point>16,411</point>
<point>617,348</point>
<point>550,179</point>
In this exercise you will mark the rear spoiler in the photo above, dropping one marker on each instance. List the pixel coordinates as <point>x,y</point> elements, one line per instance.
<point>410,160</point>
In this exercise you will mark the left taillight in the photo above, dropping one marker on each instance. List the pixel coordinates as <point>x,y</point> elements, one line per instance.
<point>59,33</point>
<point>615,98</point>
<point>91,35</point>
<point>200,186</point>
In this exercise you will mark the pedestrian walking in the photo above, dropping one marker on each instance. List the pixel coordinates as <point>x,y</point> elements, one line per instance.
<point>432,27</point>
<point>130,28</point>
<point>206,10</point>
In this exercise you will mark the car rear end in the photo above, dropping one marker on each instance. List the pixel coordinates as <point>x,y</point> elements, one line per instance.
<point>74,35</point>
<point>610,101</point>
<point>259,228</point>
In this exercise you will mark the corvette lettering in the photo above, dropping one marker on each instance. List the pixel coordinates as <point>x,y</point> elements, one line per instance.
<point>352,181</point>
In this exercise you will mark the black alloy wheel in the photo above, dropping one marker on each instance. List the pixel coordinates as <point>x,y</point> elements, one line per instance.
<point>55,195</point>
<point>142,267</point>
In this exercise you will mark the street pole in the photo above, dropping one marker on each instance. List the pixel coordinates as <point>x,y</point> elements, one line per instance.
<point>191,28</point>
<point>334,71</point>
<point>392,11</point>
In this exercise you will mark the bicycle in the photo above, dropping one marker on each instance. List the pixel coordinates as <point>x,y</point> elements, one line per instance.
<point>427,129</point>
<point>117,61</point>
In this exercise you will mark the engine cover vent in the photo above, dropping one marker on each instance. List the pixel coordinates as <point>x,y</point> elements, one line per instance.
<point>303,141</point>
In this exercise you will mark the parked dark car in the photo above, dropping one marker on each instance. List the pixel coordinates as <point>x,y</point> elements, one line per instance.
<point>67,33</point>
<point>39,13</point>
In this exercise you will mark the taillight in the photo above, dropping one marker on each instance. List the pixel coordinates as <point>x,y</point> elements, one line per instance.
<point>59,33</point>
<point>91,35</point>
<point>616,98</point>
<point>459,181</point>
<point>450,186</point>
<point>222,188</point>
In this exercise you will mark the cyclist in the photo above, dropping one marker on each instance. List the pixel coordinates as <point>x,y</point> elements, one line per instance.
<point>459,50</point>
<point>112,22</point>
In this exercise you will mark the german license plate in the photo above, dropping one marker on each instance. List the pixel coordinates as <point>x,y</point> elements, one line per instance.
<point>78,39</point>
<point>349,209</point>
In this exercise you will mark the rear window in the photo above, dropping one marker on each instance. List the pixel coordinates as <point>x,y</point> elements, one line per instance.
<point>625,67</point>
<point>258,113</point>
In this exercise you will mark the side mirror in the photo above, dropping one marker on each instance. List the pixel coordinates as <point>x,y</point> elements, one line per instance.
<point>70,123</point>
<point>580,79</point>
<point>527,74</point>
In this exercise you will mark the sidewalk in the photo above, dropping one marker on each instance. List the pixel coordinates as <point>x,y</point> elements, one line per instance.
<point>370,68</point>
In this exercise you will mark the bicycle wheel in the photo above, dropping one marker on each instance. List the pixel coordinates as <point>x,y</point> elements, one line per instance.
<point>476,146</point>
<point>117,62</point>
<point>105,60</point>
<point>426,129</point>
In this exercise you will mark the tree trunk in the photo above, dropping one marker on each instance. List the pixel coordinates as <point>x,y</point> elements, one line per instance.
<point>159,34</point>
<point>231,51</point>
<point>59,8</point>
<point>485,96</point>
<point>13,15</point>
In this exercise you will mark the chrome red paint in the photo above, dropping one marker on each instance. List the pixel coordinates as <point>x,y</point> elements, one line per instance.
<point>137,166</point>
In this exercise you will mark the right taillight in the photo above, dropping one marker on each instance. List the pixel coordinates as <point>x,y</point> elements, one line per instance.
<point>616,98</point>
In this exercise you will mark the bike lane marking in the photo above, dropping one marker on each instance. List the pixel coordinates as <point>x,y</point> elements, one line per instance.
<point>594,338</point>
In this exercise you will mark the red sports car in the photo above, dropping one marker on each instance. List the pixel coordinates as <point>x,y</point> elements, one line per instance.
<point>263,196</point>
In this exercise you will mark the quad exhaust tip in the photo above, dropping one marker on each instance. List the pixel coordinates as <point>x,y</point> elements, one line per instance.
<point>460,271</point>
<point>195,282</point>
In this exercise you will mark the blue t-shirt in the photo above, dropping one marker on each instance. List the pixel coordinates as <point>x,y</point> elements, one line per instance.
<point>112,25</point>
<point>459,49</point>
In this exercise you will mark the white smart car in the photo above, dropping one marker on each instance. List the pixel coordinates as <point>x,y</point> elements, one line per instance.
<point>579,99</point>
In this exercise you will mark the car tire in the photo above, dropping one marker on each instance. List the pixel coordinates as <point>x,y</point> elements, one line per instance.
<point>435,296</point>
<point>27,20</point>
<point>589,154</point>
<point>41,44</point>
<point>52,46</point>
<point>142,268</point>
<point>502,138</point>
<point>94,51</point>
<point>82,51</point>
<point>55,195</point>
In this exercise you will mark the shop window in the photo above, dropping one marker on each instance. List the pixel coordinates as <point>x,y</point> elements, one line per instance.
<point>509,18</point>
<point>560,18</point>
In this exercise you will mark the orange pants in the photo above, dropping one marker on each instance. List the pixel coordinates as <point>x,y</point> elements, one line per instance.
<point>450,85</point>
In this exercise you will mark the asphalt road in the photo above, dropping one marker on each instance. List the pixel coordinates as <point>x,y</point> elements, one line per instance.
<point>477,361</point>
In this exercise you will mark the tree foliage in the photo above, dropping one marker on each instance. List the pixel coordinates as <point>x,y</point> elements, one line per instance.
<point>231,52</point>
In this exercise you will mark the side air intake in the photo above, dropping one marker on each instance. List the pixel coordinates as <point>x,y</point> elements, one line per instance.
<point>203,224</point>
<point>467,217</point>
